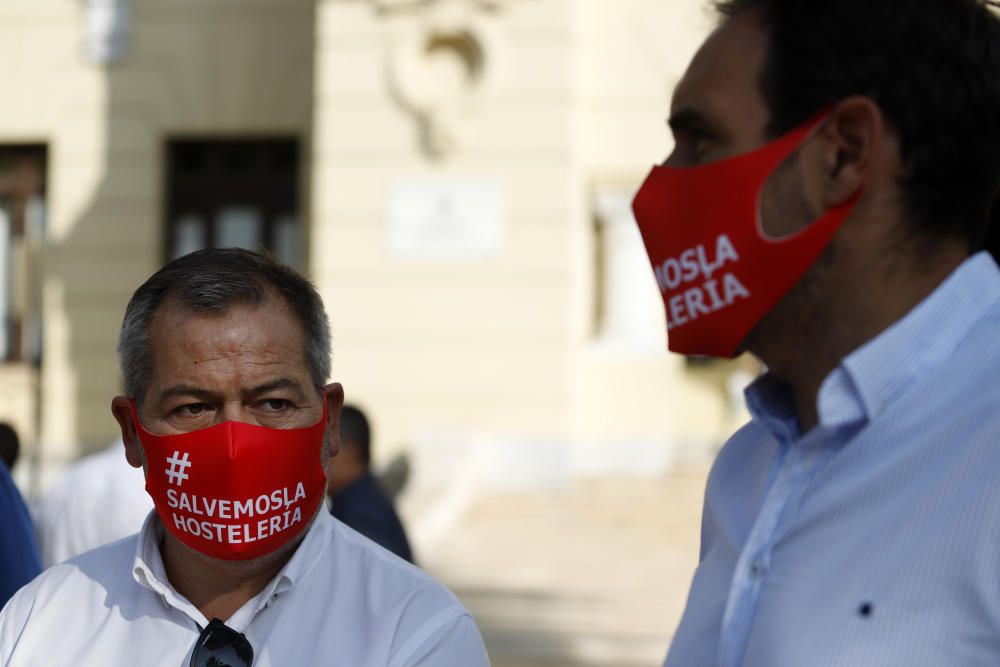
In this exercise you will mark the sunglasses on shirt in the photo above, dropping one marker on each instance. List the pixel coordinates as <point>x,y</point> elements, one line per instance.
<point>220,646</point>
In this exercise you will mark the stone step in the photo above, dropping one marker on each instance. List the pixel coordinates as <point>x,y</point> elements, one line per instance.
<point>593,574</point>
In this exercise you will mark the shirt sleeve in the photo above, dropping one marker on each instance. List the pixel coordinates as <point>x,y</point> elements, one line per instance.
<point>13,618</point>
<point>456,642</point>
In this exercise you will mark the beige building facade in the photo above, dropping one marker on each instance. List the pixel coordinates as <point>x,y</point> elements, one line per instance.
<point>455,176</point>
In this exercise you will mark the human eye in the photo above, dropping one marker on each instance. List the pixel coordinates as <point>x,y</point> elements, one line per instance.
<point>699,144</point>
<point>190,416</point>
<point>692,147</point>
<point>696,138</point>
<point>274,405</point>
<point>191,410</point>
<point>704,142</point>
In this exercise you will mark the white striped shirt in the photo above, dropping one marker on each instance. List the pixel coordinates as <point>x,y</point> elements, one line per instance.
<point>873,539</point>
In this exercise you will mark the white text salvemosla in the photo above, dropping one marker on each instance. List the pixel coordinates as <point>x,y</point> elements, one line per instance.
<point>274,513</point>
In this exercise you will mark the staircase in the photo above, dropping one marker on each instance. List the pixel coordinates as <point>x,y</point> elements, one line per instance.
<point>593,574</point>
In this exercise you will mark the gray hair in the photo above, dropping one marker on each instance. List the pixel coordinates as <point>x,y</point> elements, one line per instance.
<point>212,281</point>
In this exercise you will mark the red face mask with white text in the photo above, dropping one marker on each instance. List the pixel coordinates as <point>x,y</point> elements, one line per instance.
<point>235,491</point>
<point>718,271</point>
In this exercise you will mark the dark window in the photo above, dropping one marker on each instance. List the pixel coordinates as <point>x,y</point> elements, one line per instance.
<point>22,231</point>
<point>233,192</point>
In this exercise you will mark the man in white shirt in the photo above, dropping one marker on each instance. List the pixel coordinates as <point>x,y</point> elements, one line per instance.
<point>225,355</point>
<point>98,500</point>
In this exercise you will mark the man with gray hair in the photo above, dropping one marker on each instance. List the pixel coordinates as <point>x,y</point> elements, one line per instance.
<point>225,356</point>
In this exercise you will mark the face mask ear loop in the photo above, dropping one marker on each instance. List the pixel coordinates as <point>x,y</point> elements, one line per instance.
<point>810,130</point>
<point>137,424</point>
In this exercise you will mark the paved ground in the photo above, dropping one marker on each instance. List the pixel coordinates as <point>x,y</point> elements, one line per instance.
<point>593,575</point>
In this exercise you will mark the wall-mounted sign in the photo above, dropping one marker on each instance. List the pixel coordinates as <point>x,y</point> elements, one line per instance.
<point>445,221</point>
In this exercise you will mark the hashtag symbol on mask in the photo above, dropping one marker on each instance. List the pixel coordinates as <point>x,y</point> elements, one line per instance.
<point>176,472</point>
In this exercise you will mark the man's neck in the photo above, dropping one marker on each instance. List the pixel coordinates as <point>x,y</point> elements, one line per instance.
<point>216,587</point>
<point>803,348</point>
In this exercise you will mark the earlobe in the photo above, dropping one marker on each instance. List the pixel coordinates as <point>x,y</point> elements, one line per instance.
<point>121,408</point>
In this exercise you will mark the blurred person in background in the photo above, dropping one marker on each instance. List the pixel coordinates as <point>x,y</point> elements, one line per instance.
<point>225,356</point>
<point>10,446</point>
<point>824,208</point>
<point>356,498</point>
<point>19,561</point>
<point>98,500</point>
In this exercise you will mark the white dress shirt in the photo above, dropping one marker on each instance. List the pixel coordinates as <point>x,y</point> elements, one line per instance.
<point>98,500</point>
<point>340,601</point>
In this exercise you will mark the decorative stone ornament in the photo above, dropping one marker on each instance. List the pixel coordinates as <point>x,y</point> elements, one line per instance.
<point>392,5</point>
<point>438,72</point>
<point>107,25</point>
<point>442,64</point>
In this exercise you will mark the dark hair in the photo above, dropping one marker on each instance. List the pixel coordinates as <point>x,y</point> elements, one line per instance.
<point>354,429</point>
<point>212,281</point>
<point>993,233</point>
<point>10,445</point>
<point>933,68</point>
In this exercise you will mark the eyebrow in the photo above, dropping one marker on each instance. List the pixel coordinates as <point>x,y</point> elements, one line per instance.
<point>688,119</point>
<point>187,390</point>
<point>279,383</point>
<point>207,395</point>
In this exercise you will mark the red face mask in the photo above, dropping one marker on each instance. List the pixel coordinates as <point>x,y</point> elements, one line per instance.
<point>235,491</point>
<point>719,273</point>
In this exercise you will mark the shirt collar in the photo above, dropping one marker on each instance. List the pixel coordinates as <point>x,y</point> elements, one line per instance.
<point>311,551</point>
<point>770,404</point>
<point>870,378</point>
<point>882,368</point>
<point>149,571</point>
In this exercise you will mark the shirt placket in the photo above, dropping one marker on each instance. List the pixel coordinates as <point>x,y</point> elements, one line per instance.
<point>797,466</point>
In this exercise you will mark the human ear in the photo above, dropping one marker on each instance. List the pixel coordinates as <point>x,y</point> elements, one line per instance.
<point>333,394</point>
<point>121,408</point>
<point>851,140</point>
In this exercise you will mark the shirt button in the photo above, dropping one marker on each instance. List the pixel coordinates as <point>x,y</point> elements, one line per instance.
<point>758,569</point>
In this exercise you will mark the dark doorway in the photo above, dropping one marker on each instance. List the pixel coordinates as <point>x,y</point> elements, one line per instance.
<point>22,233</point>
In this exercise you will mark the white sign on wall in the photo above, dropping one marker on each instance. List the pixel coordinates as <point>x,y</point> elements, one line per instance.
<point>445,221</point>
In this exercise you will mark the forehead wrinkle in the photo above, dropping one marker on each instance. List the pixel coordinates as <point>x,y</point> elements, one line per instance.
<point>235,366</point>
<point>234,348</point>
<point>240,356</point>
<point>236,341</point>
